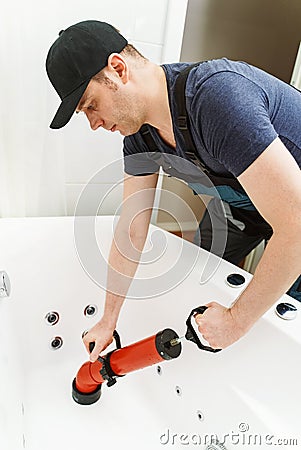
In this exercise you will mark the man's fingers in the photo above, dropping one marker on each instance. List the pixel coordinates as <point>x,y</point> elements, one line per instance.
<point>198,317</point>
<point>88,342</point>
<point>98,348</point>
<point>92,347</point>
<point>96,340</point>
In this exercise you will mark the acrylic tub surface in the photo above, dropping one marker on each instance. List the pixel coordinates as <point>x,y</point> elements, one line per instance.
<point>247,394</point>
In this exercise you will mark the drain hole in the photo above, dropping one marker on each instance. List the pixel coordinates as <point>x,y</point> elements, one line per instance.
<point>159,370</point>
<point>56,343</point>
<point>200,415</point>
<point>52,318</point>
<point>90,310</point>
<point>178,391</point>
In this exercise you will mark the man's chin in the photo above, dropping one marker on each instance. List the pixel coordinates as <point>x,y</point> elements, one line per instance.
<point>128,132</point>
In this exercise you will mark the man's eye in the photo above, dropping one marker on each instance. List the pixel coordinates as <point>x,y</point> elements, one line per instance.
<point>90,107</point>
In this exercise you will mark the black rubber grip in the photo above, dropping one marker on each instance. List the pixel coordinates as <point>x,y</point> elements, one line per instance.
<point>91,346</point>
<point>191,334</point>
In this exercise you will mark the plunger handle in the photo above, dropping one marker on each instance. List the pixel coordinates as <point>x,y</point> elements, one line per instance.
<point>191,334</point>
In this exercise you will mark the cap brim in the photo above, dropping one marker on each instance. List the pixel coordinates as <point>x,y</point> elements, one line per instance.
<point>68,106</point>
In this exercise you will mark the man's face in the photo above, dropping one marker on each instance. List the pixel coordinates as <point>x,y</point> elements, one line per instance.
<point>112,106</point>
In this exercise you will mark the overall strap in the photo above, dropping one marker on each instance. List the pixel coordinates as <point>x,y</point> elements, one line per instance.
<point>148,139</point>
<point>182,119</point>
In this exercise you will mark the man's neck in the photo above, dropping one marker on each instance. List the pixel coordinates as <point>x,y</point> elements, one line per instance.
<point>158,111</point>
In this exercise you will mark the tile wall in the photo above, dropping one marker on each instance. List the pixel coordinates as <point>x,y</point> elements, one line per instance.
<point>93,160</point>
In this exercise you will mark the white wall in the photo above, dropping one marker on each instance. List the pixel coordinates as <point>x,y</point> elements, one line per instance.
<point>42,171</point>
<point>154,32</point>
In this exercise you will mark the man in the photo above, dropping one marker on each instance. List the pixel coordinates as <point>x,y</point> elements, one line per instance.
<point>246,127</point>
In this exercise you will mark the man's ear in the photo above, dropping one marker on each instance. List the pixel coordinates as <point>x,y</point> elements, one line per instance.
<point>117,64</point>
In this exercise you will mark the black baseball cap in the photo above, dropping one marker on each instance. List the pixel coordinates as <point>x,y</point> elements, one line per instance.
<point>78,54</point>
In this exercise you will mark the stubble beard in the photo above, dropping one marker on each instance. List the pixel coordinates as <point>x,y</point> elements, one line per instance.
<point>131,118</point>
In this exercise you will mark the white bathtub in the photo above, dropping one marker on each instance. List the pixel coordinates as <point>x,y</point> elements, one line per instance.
<point>248,395</point>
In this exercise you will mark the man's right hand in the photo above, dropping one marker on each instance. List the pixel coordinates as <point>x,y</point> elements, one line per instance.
<point>102,336</point>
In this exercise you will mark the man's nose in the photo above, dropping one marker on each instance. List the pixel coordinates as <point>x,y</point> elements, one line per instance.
<point>94,121</point>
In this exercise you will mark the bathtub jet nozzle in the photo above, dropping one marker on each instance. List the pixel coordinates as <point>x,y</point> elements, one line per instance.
<point>86,387</point>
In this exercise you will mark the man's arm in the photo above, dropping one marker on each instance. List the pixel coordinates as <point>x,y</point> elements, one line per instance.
<point>273,182</point>
<point>128,242</point>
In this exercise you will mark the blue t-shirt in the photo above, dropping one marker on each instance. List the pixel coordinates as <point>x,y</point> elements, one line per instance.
<point>235,112</point>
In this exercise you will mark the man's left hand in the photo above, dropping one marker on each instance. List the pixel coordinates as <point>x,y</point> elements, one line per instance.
<point>219,326</point>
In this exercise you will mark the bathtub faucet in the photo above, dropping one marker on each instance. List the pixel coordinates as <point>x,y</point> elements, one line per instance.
<point>4,285</point>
